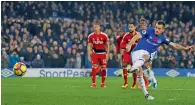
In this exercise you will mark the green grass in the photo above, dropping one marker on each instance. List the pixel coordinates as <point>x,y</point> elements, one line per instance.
<point>77,91</point>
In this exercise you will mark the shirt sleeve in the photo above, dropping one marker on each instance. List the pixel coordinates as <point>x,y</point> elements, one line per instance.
<point>165,41</point>
<point>89,39</point>
<point>106,38</point>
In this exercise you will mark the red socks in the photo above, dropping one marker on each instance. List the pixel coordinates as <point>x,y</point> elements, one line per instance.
<point>103,75</point>
<point>145,80</point>
<point>125,74</point>
<point>93,75</point>
<point>134,79</point>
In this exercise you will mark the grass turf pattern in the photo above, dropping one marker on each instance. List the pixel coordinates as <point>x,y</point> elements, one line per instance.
<point>77,91</point>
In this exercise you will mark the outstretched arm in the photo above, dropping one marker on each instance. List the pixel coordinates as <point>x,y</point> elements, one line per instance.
<point>132,42</point>
<point>180,47</point>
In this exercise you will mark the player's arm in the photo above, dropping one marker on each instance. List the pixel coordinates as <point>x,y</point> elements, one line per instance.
<point>132,42</point>
<point>107,49</point>
<point>89,49</point>
<point>180,47</point>
<point>123,44</point>
<point>175,45</point>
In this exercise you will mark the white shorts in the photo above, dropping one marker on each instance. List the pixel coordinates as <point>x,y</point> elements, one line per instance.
<point>139,54</point>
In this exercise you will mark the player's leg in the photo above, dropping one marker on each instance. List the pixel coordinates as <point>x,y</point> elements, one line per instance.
<point>134,80</point>
<point>93,75</point>
<point>139,58</point>
<point>134,76</point>
<point>144,77</point>
<point>145,80</point>
<point>150,73</point>
<point>142,84</point>
<point>139,62</point>
<point>125,63</point>
<point>151,77</point>
<point>125,75</point>
<point>98,69</point>
<point>94,62</point>
<point>103,63</point>
<point>103,69</point>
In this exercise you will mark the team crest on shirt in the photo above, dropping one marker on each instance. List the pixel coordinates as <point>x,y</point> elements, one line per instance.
<point>144,32</point>
<point>155,39</point>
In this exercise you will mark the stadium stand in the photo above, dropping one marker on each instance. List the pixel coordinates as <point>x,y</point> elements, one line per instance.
<point>54,34</point>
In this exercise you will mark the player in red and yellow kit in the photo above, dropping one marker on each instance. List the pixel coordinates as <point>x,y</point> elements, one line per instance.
<point>126,57</point>
<point>119,39</point>
<point>98,51</point>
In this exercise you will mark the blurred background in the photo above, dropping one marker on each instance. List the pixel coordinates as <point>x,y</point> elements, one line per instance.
<point>54,34</point>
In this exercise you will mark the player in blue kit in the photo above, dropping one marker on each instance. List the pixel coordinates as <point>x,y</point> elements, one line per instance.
<point>148,71</point>
<point>146,48</point>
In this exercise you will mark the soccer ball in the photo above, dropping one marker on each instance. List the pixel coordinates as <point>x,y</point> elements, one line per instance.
<point>19,69</point>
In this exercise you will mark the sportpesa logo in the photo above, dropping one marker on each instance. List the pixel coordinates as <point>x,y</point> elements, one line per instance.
<point>172,73</point>
<point>98,42</point>
<point>6,73</point>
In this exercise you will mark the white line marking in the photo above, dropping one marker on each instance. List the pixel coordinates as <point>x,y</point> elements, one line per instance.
<point>74,86</point>
<point>175,89</point>
<point>171,99</point>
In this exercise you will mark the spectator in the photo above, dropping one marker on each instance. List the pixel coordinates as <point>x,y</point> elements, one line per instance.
<point>4,60</point>
<point>64,45</point>
<point>190,65</point>
<point>13,59</point>
<point>71,62</point>
<point>46,58</point>
<point>182,65</point>
<point>78,60</point>
<point>112,63</point>
<point>26,63</point>
<point>157,63</point>
<point>38,62</point>
<point>55,61</point>
<point>28,56</point>
<point>24,26</point>
<point>35,40</point>
<point>62,58</point>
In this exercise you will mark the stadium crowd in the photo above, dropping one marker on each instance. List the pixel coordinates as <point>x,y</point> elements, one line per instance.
<point>54,34</point>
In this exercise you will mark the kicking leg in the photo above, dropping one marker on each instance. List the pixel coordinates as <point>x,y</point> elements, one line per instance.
<point>142,84</point>
<point>138,63</point>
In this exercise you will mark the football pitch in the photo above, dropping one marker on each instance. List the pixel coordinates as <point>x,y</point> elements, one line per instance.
<point>77,91</point>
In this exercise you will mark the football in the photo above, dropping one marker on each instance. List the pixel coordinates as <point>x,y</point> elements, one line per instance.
<point>19,69</point>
